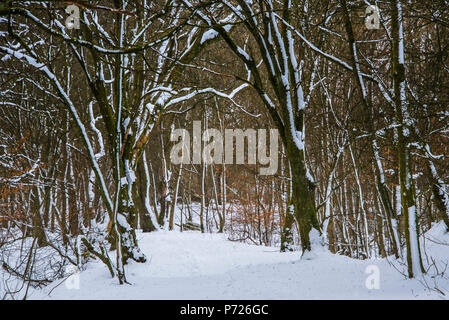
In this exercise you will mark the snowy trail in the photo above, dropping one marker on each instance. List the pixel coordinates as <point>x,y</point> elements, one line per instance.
<point>191,265</point>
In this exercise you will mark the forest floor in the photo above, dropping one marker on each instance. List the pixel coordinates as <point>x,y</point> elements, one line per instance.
<point>191,265</point>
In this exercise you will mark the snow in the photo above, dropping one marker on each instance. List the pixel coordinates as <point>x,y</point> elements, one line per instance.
<point>208,35</point>
<point>191,265</point>
<point>414,245</point>
<point>401,33</point>
<point>316,244</point>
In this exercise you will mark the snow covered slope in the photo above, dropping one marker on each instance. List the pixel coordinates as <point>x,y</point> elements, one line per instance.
<point>191,265</point>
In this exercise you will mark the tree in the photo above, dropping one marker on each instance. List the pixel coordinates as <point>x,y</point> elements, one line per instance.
<point>270,39</point>
<point>131,78</point>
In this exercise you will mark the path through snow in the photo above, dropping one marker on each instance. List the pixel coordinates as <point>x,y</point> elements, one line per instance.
<point>191,265</point>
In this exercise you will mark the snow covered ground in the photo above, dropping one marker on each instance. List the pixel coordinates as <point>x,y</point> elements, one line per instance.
<point>191,265</point>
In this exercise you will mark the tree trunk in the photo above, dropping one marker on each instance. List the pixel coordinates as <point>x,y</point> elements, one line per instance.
<point>139,195</point>
<point>403,120</point>
<point>303,197</point>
